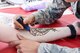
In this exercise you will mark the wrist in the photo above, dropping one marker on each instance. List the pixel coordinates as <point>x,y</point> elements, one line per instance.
<point>73,31</point>
<point>77,27</point>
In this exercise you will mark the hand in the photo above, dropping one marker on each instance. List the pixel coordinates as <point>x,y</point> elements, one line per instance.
<point>25,46</point>
<point>17,25</point>
<point>27,20</point>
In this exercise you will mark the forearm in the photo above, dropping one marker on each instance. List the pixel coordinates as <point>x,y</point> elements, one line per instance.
<point>48,34</point>
<point>8,34</point>
<point>51,13</point>
<point>53,48</point>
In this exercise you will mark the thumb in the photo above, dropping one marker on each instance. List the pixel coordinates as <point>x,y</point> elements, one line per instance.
<point>20,37</point>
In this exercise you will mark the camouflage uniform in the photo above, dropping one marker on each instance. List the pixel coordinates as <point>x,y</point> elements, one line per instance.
<point>53,11</point>
<point>53,48</point>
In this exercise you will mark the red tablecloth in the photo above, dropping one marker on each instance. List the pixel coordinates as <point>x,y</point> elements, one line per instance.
<point>63,21</point>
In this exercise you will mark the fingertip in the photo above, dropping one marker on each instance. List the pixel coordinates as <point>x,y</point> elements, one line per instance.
<point>21,27</point>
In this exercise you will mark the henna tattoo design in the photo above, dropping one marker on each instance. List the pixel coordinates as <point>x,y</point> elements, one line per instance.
<point>40,31</point>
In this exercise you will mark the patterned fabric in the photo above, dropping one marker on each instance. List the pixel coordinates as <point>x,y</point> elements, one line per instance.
<point>53,48</point>
<point>53,11</point>
<point>74,6</point>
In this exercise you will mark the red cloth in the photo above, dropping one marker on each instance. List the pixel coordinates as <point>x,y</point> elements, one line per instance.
<point>63,21</point>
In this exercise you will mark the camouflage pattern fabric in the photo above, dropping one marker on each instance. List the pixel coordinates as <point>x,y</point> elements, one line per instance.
<point>53,48</point>
<point>53,11</point>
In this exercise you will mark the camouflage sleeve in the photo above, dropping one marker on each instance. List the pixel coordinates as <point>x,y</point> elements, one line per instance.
<point>52,12</point>
<point>53,48</point>
<point>76,7</point>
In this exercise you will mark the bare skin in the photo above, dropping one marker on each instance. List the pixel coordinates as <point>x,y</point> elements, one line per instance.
<point>8,34</point>
<point>39,34</point>
<point>24,45</point>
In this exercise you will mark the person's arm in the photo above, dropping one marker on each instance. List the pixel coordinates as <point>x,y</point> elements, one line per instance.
<point>52,12</point>
<point>8,34</point>
<point>53,48</point>
<point>29,46</point>
<point>51,34</point>
<point>48,34</point>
